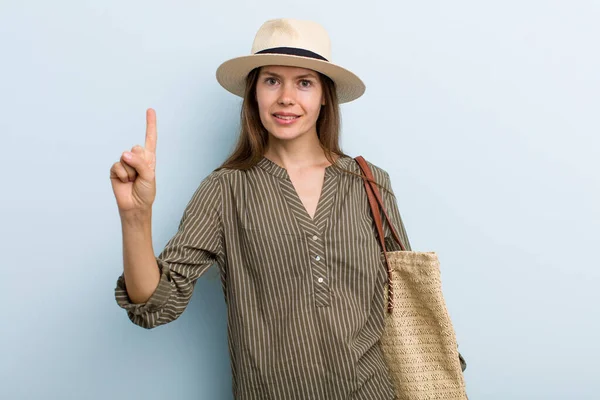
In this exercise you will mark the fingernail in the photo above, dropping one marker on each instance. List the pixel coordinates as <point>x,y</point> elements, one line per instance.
<point>127,155</point>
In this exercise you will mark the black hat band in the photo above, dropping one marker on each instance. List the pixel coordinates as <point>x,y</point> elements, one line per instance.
<point>293,51</point>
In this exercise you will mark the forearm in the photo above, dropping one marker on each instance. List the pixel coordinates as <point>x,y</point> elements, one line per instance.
<point>140,269</point>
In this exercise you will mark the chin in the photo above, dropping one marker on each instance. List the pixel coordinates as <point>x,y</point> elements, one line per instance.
<point>285,134</point>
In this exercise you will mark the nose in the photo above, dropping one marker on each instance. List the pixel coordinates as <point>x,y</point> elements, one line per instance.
<point>286,96</point>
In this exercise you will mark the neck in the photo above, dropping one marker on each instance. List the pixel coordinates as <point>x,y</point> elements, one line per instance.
<point>302,152</point>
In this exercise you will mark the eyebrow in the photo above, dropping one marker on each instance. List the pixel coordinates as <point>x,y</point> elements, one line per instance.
<point>309,75</point>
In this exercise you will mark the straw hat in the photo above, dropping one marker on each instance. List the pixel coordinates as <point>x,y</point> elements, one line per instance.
<point>290,42</point>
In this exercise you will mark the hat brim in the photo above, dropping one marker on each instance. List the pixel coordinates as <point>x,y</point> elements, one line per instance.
<point>232,73</point>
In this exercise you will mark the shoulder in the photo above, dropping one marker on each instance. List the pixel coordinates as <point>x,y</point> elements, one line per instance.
<point>210,188</point>
<point>381,175</point>
<point>222,180</point>
<point>221,175</point>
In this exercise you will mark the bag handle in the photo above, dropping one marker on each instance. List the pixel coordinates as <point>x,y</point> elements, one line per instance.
<point>377,205</point>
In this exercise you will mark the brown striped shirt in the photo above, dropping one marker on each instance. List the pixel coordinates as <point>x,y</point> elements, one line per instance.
<point>305,299</point>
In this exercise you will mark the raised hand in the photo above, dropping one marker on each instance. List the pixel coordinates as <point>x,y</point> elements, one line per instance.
<point>133,176</point>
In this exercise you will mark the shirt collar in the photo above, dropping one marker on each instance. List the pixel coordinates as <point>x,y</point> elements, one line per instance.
<point>280,172</point>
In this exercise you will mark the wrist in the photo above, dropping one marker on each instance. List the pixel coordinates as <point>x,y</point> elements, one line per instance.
<point>136,217</point>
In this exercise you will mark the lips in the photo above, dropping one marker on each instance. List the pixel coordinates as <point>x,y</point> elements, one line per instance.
<point>284,119</point>
<point>287,117</point>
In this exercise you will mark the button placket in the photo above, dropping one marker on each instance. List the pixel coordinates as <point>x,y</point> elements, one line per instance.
<point>319,271</point>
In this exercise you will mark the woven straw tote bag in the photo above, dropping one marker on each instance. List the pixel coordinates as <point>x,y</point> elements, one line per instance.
<point>419,343</point>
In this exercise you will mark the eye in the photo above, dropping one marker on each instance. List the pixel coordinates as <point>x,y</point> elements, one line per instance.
<point>270,81</point>
<point>305,83</point>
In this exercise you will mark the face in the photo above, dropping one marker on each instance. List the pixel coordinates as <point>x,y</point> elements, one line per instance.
<point>289,101</point>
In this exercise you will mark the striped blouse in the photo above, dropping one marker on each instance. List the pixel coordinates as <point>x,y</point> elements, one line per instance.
<point>305,299</point>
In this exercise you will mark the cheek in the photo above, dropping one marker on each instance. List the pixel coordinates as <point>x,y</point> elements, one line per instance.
<point>263,114</point>
<point>262,98</point>
<point>261,108</point>
<point>311,101</point>
<point>313,108</point>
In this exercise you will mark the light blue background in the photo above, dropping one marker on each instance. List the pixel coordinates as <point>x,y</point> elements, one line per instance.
<point>485,114</point>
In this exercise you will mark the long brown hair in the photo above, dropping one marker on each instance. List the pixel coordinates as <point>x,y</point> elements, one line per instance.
<point>253,137</point>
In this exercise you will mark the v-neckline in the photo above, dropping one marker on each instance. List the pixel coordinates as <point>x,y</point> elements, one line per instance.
<point>319,202</point>
<point>293,198</point>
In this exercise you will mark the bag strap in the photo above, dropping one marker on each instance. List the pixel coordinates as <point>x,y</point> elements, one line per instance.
<point>377,205</point>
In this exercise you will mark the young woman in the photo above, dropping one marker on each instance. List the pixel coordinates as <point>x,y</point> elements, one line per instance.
<point>287,220</point>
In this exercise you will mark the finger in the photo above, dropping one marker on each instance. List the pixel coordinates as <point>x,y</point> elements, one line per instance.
<point>146,155</point>
<point>139,163</point>
<point>131,173</point>
<point>137,149</point>
<point>151,134</point>
<point>117,171</point>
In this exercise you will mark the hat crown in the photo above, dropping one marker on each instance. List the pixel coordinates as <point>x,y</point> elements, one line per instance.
<point>287,32</point>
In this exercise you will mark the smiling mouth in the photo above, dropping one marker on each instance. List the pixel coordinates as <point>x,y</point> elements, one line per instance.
<point>286,117</point>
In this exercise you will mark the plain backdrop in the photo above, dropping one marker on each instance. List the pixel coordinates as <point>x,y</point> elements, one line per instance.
<point>485,114</point>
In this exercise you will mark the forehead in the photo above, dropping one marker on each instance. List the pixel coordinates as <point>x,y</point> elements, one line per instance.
<point>287,71</point>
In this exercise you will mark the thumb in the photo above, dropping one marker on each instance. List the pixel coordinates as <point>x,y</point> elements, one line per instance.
<point>140,164</point>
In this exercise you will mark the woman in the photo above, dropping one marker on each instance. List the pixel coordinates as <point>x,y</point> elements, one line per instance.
<point>287,220</point>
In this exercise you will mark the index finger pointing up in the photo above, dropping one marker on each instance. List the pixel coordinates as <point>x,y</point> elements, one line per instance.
<point>151,130</point>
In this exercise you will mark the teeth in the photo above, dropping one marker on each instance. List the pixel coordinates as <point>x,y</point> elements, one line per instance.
<point>285,116</point>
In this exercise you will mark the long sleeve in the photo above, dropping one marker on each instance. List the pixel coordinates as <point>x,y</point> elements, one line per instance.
<point>196,246</point>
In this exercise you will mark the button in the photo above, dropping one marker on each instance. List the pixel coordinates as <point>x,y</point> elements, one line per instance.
<point>317,258</point>
<point>315,237</point>
<point>320,280</point>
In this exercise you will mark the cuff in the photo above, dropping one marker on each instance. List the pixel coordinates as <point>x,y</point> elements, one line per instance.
<point>154,303</point>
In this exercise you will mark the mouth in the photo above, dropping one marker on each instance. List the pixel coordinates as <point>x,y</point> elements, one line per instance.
<point>285,119</point>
